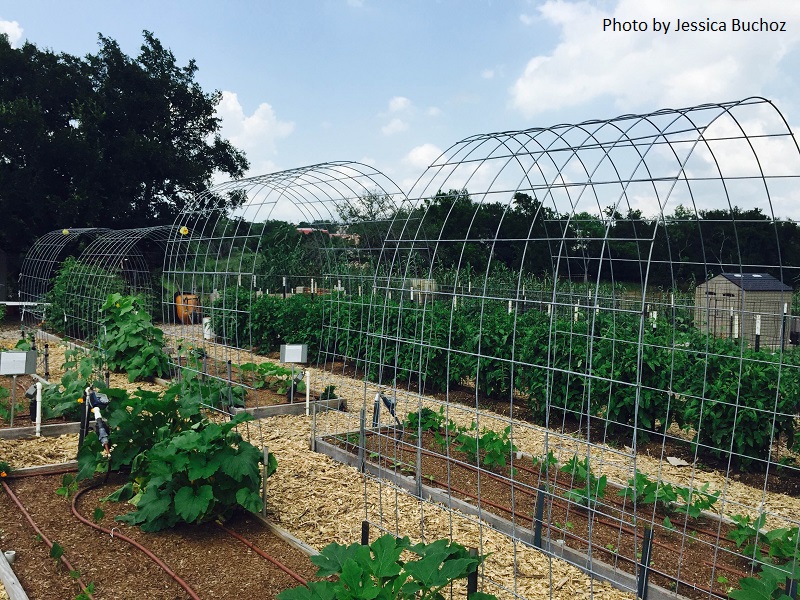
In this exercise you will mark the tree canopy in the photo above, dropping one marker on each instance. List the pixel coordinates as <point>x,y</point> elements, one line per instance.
<point>103,140</point>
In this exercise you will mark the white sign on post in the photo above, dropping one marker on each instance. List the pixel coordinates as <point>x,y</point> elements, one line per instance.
<point>18,362</point>
<point>294,353</point>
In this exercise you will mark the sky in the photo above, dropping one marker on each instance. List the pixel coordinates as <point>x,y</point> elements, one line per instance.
<point>394,83</point>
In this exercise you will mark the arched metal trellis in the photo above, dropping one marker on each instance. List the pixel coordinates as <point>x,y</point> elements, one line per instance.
<point>304,241</point>
<point>611,299</point>
<point>45,257</point>
<point>127,261</point>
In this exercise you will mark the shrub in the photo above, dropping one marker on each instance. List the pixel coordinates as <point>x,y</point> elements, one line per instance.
<point>197,475</point>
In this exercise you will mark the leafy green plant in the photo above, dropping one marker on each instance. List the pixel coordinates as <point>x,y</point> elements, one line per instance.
<point>696,500</point>
<point>5,469</point>
<point>86,594</point>
<point>56,552</point>
<point>329,393</point>
<point>378,571</point>
<point>199,474</point>
<point>595,487</point>
<point>769,585</point>
<point>63,399</point>
<point>645,491</point>
<point>272,376</point>
<point>747,533</point>
<point>132,344</point>
<point>137,423</point>
<point>497,447</point>
<point>69,304</point>
<point>424,420</point>
<point>69,485</point>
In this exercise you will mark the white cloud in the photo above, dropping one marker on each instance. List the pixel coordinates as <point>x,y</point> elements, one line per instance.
<point>422,156</point>
<point>650,69</point>
<point>256,134</point>
<point>355,3</point>
<point>394,126</point>
<point>433,111</point>
<point>399,103</point>
<point>487,73</point>
<point>13,30</point>
<point>527,20</point>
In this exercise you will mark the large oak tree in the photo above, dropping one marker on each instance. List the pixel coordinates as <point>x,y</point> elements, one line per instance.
<point>104,140</point>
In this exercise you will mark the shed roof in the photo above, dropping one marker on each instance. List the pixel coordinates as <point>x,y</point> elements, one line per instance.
<point>759,282</point>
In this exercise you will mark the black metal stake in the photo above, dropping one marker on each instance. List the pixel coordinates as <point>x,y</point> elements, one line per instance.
<point>644,564</point>
<point>376,411</point>
<point>472,578</point>
<point>108,379</point>
<point>179,363</point>
<point>47,361</point>
<point>791,588</point>
<point>539,513</point>
<point>365,533</point>
<point>230,388</point>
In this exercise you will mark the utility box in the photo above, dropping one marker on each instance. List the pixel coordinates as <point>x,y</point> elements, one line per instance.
<point>18,362</point>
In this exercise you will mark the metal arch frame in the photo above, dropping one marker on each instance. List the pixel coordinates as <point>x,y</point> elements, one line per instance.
<point>44,258</point>
<point>676,139</point>
<point>116,253</point>
<point>196,261</point>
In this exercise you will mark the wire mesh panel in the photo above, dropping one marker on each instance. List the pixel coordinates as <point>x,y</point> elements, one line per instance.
<point>262,262</point>
<point>127,261</point>
<point>581,337</point>
<point>43,260</point>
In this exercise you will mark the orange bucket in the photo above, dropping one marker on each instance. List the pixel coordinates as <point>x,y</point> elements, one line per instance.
<point>187,308</point>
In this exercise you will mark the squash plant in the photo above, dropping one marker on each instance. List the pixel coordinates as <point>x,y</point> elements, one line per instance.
<point>197,475</point>
<point>378,572</point>
<point>131,342</point>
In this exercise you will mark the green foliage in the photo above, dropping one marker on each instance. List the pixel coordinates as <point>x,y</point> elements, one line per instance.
<point>132,344</point>
<point>197,475</point>
<point>65,399</point>
<point>696,500</point>
<point>644,491</point>
<point>5,468</point>
<point>424,420</point>
<point>377,571</point>
<point>595,487</point>
<point>138,423</point>
<point>769,585</point>
<point>272,376</point>
<point>493,449</point>
<point>69,485</point>
<point>71,309</point>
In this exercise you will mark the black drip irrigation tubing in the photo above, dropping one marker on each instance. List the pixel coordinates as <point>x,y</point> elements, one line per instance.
<point>45,538</point>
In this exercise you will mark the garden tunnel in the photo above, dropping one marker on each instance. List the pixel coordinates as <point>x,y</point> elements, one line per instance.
<point>541,291</point>
<point>311,236</point>
<point>74,270</point>
<point>43,260</point>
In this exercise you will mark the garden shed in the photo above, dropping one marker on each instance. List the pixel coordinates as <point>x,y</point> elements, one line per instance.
<point>734,305</point>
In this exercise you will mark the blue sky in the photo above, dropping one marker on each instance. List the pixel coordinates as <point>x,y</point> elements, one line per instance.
<point>394,83</point>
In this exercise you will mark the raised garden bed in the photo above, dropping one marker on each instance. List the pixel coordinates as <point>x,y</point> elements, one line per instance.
<point>691,556</point>
<point>207,558</point>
